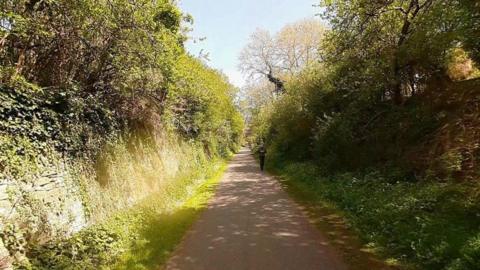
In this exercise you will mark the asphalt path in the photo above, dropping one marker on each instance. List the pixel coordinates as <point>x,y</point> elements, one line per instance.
<point>251,223</point>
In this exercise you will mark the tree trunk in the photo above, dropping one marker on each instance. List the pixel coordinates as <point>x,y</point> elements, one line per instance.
<point>20,62</point>
<point>397,84</point>
<point>279,85</point>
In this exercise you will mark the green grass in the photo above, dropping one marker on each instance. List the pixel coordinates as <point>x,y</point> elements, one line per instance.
<point>158,232</point>
<point>422,225</point>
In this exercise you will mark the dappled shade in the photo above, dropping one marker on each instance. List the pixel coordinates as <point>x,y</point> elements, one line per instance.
<point>252,224</point>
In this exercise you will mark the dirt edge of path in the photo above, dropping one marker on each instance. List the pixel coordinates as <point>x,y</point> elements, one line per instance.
<point>333,224</point>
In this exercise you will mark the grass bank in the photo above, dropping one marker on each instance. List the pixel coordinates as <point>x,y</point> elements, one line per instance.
<point>141,237</point>
<point>412,225</point>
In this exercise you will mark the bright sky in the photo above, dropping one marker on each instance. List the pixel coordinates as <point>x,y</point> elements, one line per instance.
<point>227,25</point>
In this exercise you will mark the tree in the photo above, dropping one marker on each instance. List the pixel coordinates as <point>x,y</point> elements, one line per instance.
<point>299,44</point>
<point>51,43</point>
<point>128,56</point>
<point>259,57</point>
<point>469,15</point>
<point>283,55</point>
<point>399,35</point>
<point>255,96</point>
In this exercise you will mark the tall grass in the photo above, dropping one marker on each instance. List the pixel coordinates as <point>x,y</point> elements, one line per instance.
<point>130,170</point>
<point>159,226</point>
<point>140,198</point>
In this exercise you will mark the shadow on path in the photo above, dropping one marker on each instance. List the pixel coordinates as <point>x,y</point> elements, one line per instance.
<point>253,224</point>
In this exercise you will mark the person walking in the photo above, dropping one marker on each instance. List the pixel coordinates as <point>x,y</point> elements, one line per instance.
<point>261,153</point>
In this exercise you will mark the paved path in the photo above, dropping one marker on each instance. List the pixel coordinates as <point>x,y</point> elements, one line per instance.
<point>252,224</point>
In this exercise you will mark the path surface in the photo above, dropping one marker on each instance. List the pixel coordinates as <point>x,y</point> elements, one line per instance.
<point>251,223</point>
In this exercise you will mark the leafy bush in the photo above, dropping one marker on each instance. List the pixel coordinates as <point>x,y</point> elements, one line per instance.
<point>86,250</point>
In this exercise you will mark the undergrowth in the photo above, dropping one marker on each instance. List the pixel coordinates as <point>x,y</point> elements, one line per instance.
<point>426,225</point>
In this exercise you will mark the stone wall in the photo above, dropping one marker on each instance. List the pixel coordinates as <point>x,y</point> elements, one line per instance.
<point>63,197</point>
<point>5,261</point>
<point>48,207</point>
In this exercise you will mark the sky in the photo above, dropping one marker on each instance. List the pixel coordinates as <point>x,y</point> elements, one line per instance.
<point>228,24</point>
